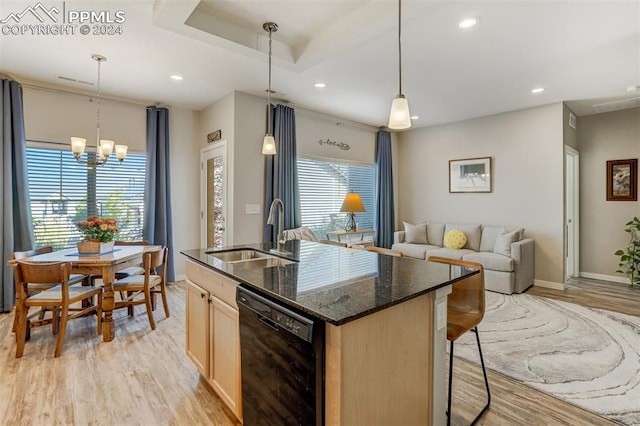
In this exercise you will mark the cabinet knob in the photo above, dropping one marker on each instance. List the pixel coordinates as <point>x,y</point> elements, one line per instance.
<point>202,295</point>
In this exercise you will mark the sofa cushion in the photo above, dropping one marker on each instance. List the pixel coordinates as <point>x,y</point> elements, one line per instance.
<point>416,234</point>
<point>413,250</point>
<point>493,261</point>
<point>473,233</point>
<point>449,253</point>
<point>504,241</point>
<point>435,234</point>
<point>455,239</point>
<point>489,235</point>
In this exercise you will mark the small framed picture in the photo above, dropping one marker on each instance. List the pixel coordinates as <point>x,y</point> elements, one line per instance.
<point>470,175</point>
<point>622,180</point>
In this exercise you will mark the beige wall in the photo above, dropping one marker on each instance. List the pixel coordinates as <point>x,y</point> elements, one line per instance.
<point>242,118</point>
<point>526,148</point>
<point>603,137</point>
<point>185,178</point>
<point>54,116</point>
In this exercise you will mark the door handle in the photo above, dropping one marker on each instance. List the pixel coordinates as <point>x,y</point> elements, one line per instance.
<point>266,321</point>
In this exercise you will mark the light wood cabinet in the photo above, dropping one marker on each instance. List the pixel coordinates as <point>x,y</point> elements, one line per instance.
<point>213,332</point>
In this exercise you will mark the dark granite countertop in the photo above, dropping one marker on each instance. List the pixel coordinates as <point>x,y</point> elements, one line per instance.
<point>332,283</point>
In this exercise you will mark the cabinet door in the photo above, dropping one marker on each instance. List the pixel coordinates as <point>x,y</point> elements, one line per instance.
<point>225,354</point>
<point>198,327</point>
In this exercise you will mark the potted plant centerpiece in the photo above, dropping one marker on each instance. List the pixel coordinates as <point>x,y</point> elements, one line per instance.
<point>98,235</point>
<point>630,256</point>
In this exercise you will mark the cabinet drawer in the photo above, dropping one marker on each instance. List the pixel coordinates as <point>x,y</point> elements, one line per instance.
<point>220,286</point>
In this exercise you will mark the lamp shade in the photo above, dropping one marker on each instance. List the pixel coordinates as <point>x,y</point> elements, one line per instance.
<point>400,118</point>
<point>352,204</point>
<point>268,145</point>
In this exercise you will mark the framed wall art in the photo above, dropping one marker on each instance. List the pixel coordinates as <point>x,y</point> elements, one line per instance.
<point>622,180</point>
<point>470,175</point>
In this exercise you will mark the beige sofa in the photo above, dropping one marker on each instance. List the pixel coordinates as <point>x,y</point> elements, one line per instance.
<point>507,257</point>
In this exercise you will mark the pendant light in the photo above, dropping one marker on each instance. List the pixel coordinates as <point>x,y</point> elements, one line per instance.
<point>399,118</point>
<point>269,143</point>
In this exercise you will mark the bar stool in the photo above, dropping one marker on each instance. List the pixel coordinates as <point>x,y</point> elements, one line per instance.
<point>465,310</point>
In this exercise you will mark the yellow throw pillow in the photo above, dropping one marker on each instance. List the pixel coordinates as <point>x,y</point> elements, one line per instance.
<point>455,239</point>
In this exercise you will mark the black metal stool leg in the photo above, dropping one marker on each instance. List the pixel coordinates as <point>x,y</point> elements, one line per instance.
<point>484,372</point>
<point>450,383</point>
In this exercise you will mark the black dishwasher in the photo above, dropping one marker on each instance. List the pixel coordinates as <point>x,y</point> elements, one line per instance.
<point>282,360</point>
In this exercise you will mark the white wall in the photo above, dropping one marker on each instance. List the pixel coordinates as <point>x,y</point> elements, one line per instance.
<point>54,116</point>
<point>603,137</point>
<point>526,148</point>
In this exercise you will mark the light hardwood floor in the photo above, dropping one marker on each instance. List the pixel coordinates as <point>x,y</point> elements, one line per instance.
<point>143,377</point>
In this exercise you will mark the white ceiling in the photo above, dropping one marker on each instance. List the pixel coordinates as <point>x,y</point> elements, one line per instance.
<point>587,52</point>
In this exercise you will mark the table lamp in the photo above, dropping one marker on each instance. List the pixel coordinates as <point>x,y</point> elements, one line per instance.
<point>352,204</point>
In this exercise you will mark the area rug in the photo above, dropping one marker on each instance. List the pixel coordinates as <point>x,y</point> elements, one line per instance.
<point>587,357</point>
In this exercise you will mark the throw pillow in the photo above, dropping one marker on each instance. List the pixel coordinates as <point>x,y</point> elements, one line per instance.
<point>504,241</point>
<point>416,234</point>
<point>455,239</point>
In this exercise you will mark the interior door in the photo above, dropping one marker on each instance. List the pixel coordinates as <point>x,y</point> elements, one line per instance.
<point>214,191</point>
<point>572,215</point>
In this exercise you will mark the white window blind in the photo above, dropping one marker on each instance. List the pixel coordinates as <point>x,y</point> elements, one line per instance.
<point>323,186</point>
<point>64,191</point>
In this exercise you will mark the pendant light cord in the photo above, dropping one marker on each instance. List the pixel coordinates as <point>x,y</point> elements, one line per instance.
<point>399,47</point>
<point>269,89</point>
<point>98,109</point>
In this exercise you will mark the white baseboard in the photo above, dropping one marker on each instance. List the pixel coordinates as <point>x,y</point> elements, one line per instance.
<point>549,284</point>
<point>603,277</point>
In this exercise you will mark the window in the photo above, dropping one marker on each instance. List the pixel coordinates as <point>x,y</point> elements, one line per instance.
<point>323,186</point>
<point>64,191</point>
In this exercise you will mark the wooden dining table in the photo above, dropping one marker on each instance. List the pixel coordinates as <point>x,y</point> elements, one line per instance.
<point>107,265</point>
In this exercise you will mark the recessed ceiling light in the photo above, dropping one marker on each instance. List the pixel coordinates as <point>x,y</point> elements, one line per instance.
<point>320,85</point>
<point>468,23</point>
<point>537,90</point>
<point>414,117</point>
<point>177,77</point>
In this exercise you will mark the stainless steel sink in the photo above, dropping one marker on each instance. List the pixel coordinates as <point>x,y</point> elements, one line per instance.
<point>257,258</point>
<point>238,255</point>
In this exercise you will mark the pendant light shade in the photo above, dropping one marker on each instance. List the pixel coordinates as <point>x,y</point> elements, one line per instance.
<point>269,143</point>
<point>400,117</point>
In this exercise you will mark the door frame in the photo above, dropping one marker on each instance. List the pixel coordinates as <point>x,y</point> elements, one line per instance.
<point>572,205</point>
<point>228,189</point>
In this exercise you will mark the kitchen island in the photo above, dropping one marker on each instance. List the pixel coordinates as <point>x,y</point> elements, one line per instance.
<point>385,324</point>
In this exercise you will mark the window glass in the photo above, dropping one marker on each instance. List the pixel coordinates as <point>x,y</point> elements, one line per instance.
<point>64,191</point>
<point>323,186</point>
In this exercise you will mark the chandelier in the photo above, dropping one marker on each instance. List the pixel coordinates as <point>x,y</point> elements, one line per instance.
<point>104,147</point>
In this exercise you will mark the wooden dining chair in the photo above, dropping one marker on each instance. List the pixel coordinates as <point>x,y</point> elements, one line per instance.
<point>33,288</point>
<point>465,310</point>
<point>58,299</point>
<point>382,250</point>
<point>141,289</point>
